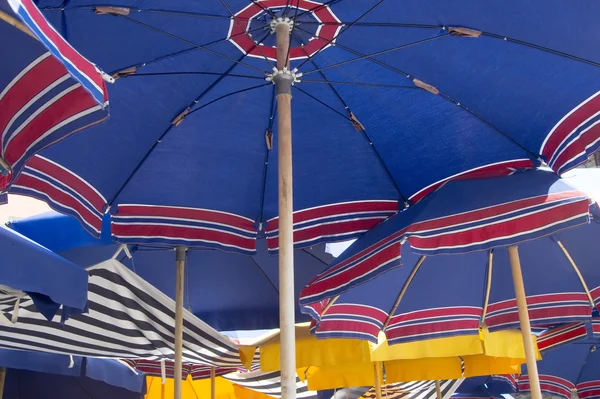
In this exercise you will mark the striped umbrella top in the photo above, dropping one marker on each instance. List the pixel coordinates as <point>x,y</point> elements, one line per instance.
<point>128,318</point>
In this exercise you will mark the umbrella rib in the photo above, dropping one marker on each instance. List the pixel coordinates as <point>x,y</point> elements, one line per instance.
<point>195,101</point>
<point>367,56</point>
<point>321,102</point>
<point>149,10</point>
<point>200,47</point>
<point>243,30</point>
<point>228,95</point>
<point>488,285</point>
<point>576,269</point>
<point>314,256</point>
<point>412,275</point>
<point>266,162</point>
<point>333,82</point>
<point>341,32</point>
<point>182,52</point>
<point>319,7</point>
<point>230,75</point>
<point>364,132</point>
<point>264,274</point>
<point>445,96</point>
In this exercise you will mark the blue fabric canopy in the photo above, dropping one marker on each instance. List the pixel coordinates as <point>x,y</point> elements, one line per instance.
<point>226,290</point>
<point>441,268</point>
<point>486,387</point>
<point>34,375</point>
<point>49,279</point>
<point>392,103</point>
<point>47,89</point>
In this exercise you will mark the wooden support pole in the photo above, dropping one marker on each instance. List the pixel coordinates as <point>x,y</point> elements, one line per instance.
<point>515,266</point>
<point>438,389</point>
<point>180,263</point>
<point>213,391</point>
<point>378,378</point>
<point>286,225</point>
<point>2,380</point>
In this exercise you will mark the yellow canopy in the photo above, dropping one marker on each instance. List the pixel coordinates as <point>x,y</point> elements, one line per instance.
<point>336,363</point>
<point>200,389</point>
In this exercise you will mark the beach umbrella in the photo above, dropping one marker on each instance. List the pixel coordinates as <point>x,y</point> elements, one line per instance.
<point>34,375</point>
<point>461,244</point>
<point>127,318</point>
<point>488,387</point>
<point>226,290</point>
<point>190,154</point>
<point>32,273</point>
<point>47,89</point>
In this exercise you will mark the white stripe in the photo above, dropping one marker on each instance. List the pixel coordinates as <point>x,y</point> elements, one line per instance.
<point>564,118</point>
<point>582,153</point>
<point>505,237</point>
<point>556,155</point>
<point>31,102</point>
<point>74,175</point>
<point>23,72</point>
<point>58,126</point>
<point>40,110</point>
<point>51,202</point>
<point>466,172</point>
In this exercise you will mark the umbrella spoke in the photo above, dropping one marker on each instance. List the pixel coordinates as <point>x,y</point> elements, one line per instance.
<point>186,51</point>
<point>333,82</point>
<point>244,29</point>
<point>341,32</point>
<point>269,143</point>
<point>200,47</point>
<point>231,75</point>
<point>228,95</point>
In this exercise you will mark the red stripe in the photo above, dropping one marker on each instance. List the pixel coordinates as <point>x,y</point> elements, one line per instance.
<point>588,384</point>
<point>65,49</point>
<point>539,299</point>
<point>592,393</point>
<point>68,179</point>
<point>502,228</point>
<point>430,328</point>
<point>131,230</point>
<point>458,311</point>
<point>363,311</point>
<point>60,198</point>
<point>28,86</point>
<point>358,270</point>
<point>570,123</point>
<point>334,210</point>
<point>329,229</point>
<point>558,336</point>
<point>67,106</point>
<point>348,326</point>
<point>496,170</point>
<point>577,147</point>
<point>493,211</point>
<point>200,215</point>
<point>540,315</point>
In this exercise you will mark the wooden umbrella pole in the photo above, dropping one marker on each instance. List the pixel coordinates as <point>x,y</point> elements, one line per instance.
<point>283,85</point>
<point>2,380</point>
<point>378,380</point>
<point>180,262</point>
<point>515,266</point>
<point>438,389</point>
<point>213,392</point>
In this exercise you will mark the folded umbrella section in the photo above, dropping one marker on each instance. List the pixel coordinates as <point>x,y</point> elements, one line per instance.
<point>127,318</point>
<point>34,375</point>
<point>32,273</point>
<point>47,89</point>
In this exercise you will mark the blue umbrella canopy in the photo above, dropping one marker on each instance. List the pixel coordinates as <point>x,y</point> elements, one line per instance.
<point>228,291</point>
<point>47,89</point>
<point>571,368</point>
<point>49,279</point>
<point>32,375</point>
<point>493,386</point>
<point>441,268</point>
<point>389,103</point>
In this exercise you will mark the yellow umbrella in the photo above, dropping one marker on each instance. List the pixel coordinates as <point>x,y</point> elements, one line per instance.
<point>200,389</point>
<point>338,363</point>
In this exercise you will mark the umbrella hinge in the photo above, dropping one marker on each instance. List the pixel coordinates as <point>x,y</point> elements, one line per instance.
<point>463,32</point>
<point>426,86</point>
<point>355,122</point>
<point>284,79</point>
<point>281,21</point>
<point>179,118</point>
<point>269,139</point>
<point>125,72</point>
<point>112,10</point>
